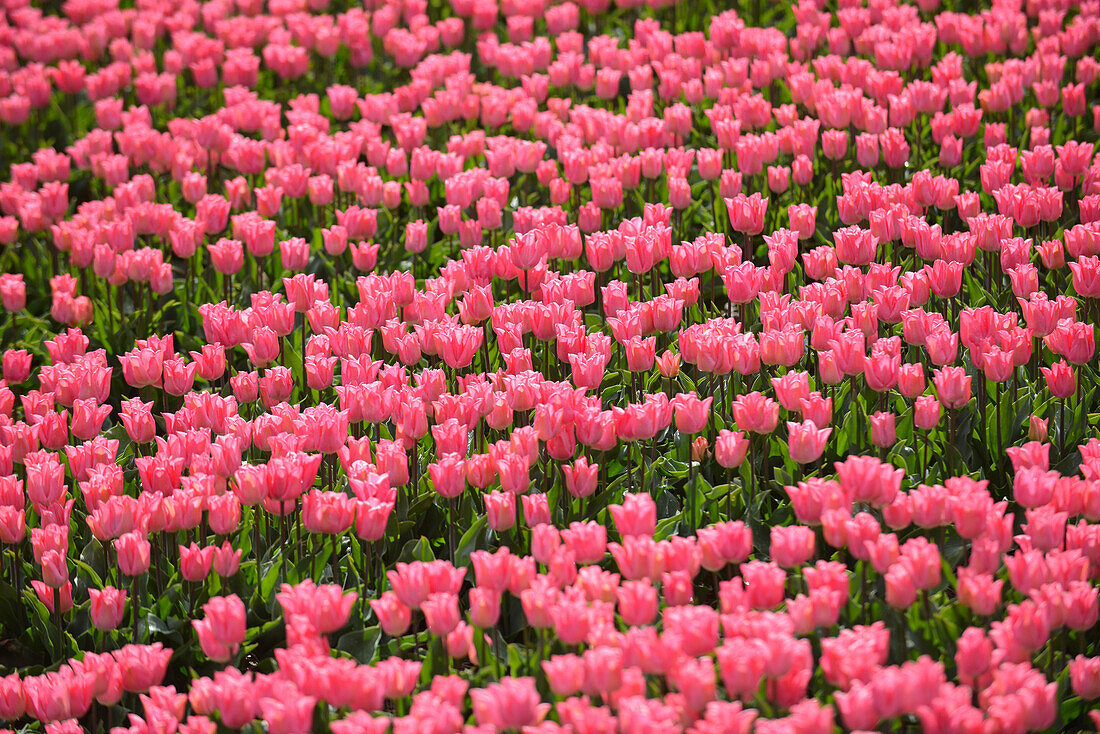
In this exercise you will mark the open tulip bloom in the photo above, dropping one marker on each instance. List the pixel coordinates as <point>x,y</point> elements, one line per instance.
<point>589,366</point>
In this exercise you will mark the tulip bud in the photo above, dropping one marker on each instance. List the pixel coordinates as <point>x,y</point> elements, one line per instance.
<point>1038,429</point>
<point>699,448</point>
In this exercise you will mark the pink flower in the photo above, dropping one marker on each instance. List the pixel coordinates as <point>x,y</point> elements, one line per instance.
<point>806,441</point>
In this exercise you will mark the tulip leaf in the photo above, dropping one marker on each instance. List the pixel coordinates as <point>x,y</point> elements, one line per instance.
<point>417,550</point>
<point>270,577</point>
<point>95,577</point>
<point>470,541</point>
<point>361,644</point>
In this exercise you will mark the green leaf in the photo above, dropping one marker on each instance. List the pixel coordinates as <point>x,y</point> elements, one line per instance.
<point>417,550</point>
<point>162,626</point>
<point>668,505</point>
<point>516,663</point>
<point>80,564</point>
<point>469,541</point>
<point>270,577</point>
<point>361,644</point>
<point>666,528</point>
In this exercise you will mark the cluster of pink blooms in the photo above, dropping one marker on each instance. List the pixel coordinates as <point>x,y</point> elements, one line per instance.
<point>618,630</point>
<point>753,292</point>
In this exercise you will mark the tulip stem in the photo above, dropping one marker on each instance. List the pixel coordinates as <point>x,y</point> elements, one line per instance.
<point>752,479</point>
<point>305,324</point>
<point>997,399</point>
<point>729,493</point>
<point>922,467</point>
<point>296,518</point>
<point>364,573</point>
<point>690,488</point>
<point>57,621</point>
<point>256,532</point>
<point>852,391</point>
<point>335,560</point>
<point>135,611</point>
<point>951,436</point>
<point>451,527</point>
<point>1061,428</point>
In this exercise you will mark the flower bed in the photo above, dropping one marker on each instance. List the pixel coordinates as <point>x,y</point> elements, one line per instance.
<point>425,366</point>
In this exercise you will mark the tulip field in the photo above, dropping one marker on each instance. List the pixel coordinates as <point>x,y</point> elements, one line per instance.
<point>549,366</point>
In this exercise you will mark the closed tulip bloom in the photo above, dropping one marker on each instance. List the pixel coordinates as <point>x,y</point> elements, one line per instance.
<point>792,545</point>
<point>882,371</point>
<point>806,441</point>
<point>500,509</point>
<point>227,560</point>
<point>1038,428</point>
<point>484,607</point>
<point>741,664</point>
<point>108,607</point>
<point>13,292</point>
<point>730,448</point>
<point>88,418</point>
<point>883,429</point>
<point>668,364</point>
<point>55,569</point>
<point>448,475</point>
<point>371,517</point>
<point>45,482</point>
<point>329,513</point>
<point>1084,676</point>
<point>637,515</point>
<point>700,448</point>
<point>227,256</point>
<point>211,648</point>
<point>195,562</point>
<point>263,346</point>
<point>536,509</point>
<point>225,616</point>
<point>13,702</point>
<point>855,246</point>
<point>48,595</point>
<point>137,419</point>
<point>791,388</point>
<point>293,715</point>
<point>756,413</point>
<point>132,551</point>
<point>1074,340</point>
<point>817,409</point>
<point>1082,606</point>
<point>979,592</point>
<point>926,413</point>
<point>393,616</point>
<point>911,380</point>
<point>952,386</point>
<point>901,593</point>
<point>974,654</point>
<point>441,613</point>
<point>849,353</point>
<point>13,525</point>
<point>692,413</point>
<point>803,219</point>
<point>16,366</point>
<point>581,478</point>
<point>746,213</point>
<point>587,542</point>
<point>640,353</point>
<point>764,582</point>
<point>326,606</point>
<point>637,602</point>
<point>1060,379</point>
